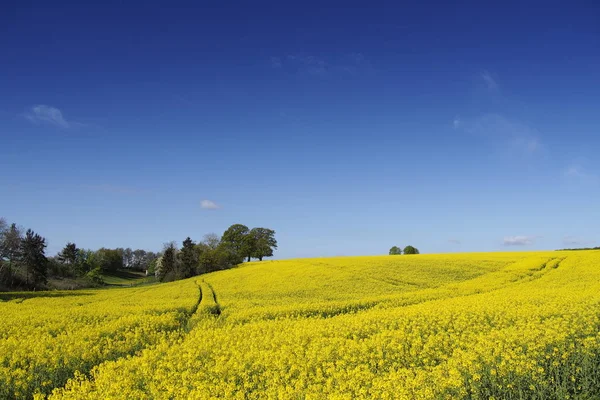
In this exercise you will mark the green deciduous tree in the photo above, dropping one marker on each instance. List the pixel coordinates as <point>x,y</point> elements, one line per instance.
<point>109,260</point>
<point>262,242</point>
<point>411,250</point>
<point>89,260</point>
<point>151,270</point>
<point>213,255</point>
<point>395,251</point>
<point>214,260</point>
<point>235,243</point>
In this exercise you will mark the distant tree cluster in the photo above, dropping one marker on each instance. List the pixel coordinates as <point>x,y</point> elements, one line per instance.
<point>23,259</point>
<point>213,253</point>
<point>25,265</point>
<point>580,248</point>
<point>395,250</point>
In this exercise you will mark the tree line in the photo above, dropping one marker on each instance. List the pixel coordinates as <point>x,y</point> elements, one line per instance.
<point>25,265</point>
<point>580,248</point>
<point>213,253</point>
<point>395,250</point>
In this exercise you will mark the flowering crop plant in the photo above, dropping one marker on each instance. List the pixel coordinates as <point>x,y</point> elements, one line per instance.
<point>520,325</point>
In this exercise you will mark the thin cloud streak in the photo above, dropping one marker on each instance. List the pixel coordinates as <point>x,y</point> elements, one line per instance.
<point>456,123</point>
<point>349,64</point>
<point>51,115</point>
<point>489,81</point>
<point>209,205</point>
<point>276,62</point>
<point>517,135</point>
<point>519,240</point>
<point>578,173</point>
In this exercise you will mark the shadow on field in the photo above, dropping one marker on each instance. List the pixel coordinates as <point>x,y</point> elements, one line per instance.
<point>7,296</point>
<point>126,274</point>
<point>124,278</point>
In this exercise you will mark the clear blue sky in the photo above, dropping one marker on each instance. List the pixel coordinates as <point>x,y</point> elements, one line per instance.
<point>347,129</point>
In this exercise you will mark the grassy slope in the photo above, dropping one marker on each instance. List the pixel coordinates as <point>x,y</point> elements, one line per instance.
<point>126,278</point>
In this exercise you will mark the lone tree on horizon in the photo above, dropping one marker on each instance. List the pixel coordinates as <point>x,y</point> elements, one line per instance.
<point>394,251</point>
<point>262,242</point>
<point>411,250</point>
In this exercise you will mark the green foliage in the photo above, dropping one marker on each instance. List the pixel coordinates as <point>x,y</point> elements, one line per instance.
<point>395,251</point>
<point>33,258</point>
<point>72,259</point>
<point>188,258</point>
<point>21,270</point>
<point>169,266</point>
<point>152,267</point>
<point>214,259</point>
<point>68,255</point>
<point>236,243</point>
<point>57,268</point>
<point>411,250</point>
<point>262,242</point>
<point>109,259</point>
<point>141,259</point>
<point>89,260</point>
<point>581,248</point>
<point>10,252</point>
<point>95,276</point>
<point>212,254</point>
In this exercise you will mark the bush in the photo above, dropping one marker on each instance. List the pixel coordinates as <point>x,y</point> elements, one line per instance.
<point>95,276</point>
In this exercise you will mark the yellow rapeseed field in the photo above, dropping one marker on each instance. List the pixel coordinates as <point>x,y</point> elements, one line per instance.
<point>448,326</point>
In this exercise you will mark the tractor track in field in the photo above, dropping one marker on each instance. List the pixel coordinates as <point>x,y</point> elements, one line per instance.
<point>185,326</point>
<point>209,303</point>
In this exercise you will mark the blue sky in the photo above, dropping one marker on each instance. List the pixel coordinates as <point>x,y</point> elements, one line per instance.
<point>347,129</point>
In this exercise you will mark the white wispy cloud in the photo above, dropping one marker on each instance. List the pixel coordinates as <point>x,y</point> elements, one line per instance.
<point>310,64</point>
<point>530,144</point>
<point>209,205</point>
<point>489,81</point>
<point>276,62</point>
<point>351,63</point>
<point>46,114</point>
<point>519,136</point>
<point>574,171</point>
<point>454,241</point>
<point>519,240</point>
<point>456,123</point>
<point>579,173</point>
